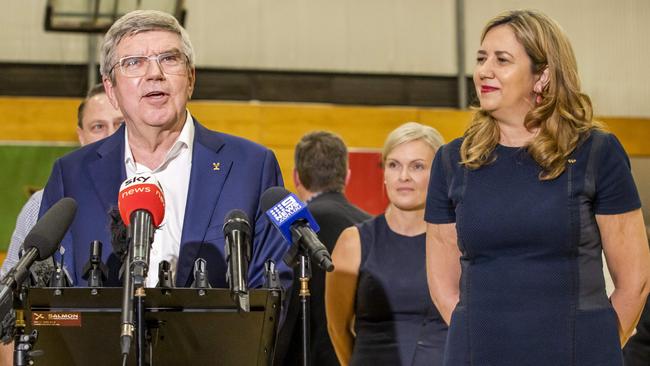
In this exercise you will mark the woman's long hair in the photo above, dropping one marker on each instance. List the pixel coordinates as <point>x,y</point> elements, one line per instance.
<point>564,113</point>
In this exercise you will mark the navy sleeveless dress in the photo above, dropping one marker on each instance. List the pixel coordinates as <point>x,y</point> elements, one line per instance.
<point>396,322</point>
<point>532,290</point>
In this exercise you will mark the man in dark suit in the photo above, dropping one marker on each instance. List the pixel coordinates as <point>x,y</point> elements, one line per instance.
<point>320,175</point>
<point>148,72</point>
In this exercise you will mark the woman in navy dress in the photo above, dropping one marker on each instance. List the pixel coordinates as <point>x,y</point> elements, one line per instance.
<point>521,207</point>
<point>379,286</point>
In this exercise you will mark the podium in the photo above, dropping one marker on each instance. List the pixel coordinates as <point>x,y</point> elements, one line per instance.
<point>186,326</point>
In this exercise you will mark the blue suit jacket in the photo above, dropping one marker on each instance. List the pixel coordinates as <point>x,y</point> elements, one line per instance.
<point>93,174</point>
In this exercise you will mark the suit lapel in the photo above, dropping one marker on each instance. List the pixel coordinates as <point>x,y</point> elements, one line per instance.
<point>104,175</point>
<point>208,174</point>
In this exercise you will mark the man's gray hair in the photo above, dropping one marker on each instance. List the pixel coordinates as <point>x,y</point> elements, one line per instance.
<point>139,21</point>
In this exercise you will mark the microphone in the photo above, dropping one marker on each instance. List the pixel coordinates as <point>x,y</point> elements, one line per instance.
<point>165,276</point>
<point>142,208</point>
<point>41,242</point>
<point>271,276</point>
<point>95,271</point>
<point>237,232</point>
<point>201,280</point>
<point>291,216</point>
<point>118,234</point>
<point>60,276</point>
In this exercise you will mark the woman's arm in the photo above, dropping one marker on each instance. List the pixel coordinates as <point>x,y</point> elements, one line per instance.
<point>443,267</point>
<point>340,293</point>
<point>628,258</point>
<point>7,354</point>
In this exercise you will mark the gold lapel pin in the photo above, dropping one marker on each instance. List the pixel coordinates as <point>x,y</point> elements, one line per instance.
<point>216,166</point>
<point>571,161</point>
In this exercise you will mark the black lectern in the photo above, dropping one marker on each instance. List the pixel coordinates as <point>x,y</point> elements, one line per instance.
<point>77,327</point>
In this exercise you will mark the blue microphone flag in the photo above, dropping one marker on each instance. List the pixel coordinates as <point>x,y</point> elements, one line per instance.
<point>288,211</point>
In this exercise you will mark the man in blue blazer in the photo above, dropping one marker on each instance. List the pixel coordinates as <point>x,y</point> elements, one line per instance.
<point>148,72</point>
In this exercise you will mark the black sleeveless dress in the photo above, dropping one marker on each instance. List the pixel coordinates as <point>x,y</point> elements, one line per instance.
<point>396,322</point>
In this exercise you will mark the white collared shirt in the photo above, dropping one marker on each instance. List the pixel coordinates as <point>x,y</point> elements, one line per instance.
<point>174,177</point>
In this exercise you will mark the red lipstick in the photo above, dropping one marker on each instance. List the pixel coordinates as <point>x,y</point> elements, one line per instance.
<point>488,89</point>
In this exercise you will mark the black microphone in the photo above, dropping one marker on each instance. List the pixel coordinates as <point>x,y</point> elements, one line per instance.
<point>271,275</point>
<point>165,275</point>
<point>291,216</point>
<point>41,242</point>
<point>201,280</point>
<point>237,232</point>
<point>60,276</point>
<point>95,271</point>
<point>119,234</point>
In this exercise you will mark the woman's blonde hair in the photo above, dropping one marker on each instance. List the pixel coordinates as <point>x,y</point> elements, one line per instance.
<point>562,116</point>
<point>411,131</point>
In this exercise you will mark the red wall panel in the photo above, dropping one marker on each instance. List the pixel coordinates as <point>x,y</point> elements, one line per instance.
<point>366,186</point>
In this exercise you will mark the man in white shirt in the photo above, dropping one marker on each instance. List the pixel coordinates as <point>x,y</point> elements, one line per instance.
<point>148,71</point>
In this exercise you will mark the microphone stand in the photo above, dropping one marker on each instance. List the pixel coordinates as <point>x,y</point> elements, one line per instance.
<point>23,343</point>
<point>304,293</point>
<point>126,334</point>
<point>140,327</point>
<point>141,237</point>
<point>298,255</point>
<point>133,309</point>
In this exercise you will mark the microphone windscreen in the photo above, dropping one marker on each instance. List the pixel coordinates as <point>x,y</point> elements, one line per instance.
<point>47,233</point>
<point>272,196</point>
<point>236,219</point>
<point>142,192</point>
<point>119,233</point>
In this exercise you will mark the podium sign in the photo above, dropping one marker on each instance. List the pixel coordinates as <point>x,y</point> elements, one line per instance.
<point>78,327</point>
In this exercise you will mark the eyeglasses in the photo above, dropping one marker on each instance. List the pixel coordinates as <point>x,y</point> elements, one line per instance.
<point>172,63</point>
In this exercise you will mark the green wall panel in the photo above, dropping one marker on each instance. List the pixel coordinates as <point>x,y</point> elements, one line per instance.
<point>23,168</point>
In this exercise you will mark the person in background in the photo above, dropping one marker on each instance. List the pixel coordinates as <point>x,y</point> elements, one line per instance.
<point>96,119</point>
<point>320,176</point>
<point>520,208</point>
<point>147,68</point>
<point>378,286</point>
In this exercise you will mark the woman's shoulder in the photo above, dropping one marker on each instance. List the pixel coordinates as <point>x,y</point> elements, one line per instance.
<point>599,135</point>
<point>450,150</point>
<point>599,141</point>
<point>370,224</point>
<point>448,156</point>
<point>453,145</point>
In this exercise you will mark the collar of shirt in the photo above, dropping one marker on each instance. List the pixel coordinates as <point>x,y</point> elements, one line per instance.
<point>318,194</point>
<point>173,175</point>
<point>185,140</point>
<point>313,196</point>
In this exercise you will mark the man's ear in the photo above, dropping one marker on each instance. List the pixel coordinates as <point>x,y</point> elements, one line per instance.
<point>348,175</point>
<point>110,92</point>
<point>542,81</point>
<point>296,178</point>
<point>192,80</point>
<point>82,141</point>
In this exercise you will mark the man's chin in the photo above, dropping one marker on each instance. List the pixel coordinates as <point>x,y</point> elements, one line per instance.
<point>162,120</point>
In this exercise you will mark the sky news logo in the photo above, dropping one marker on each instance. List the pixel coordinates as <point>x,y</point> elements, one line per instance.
<point>285,209</point>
